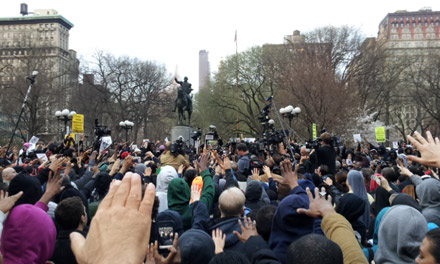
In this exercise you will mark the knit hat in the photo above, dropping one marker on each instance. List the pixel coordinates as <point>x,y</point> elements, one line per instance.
<point>124,154</point>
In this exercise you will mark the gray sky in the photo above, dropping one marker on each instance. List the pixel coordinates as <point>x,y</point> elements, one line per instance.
<point>172,32</point>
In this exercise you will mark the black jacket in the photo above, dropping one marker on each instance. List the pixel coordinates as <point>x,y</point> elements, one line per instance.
<point>62,252</point>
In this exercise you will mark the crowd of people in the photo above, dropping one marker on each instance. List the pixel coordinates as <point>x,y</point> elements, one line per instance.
<point>294,204</point>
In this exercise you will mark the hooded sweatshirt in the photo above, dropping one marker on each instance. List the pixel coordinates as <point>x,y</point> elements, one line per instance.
<point>356,182</point>
<point>165,176</point>
<point>28,236</point>
<point>428,192</point>
<point>196,246</point>
<point>253,195</point>
<point>178,197</point>
<point>287,224</point>
<point>401,232</point>
<point>352,208</point>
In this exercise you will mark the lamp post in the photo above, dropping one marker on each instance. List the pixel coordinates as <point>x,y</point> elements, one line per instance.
<point>290,112</point>
<point>126,125</point>
<point>65,116</point>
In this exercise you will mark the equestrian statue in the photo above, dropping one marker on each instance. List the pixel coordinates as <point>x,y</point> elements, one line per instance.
<point>183,101</point>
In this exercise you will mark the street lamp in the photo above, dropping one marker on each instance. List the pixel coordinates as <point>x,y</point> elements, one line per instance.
<point>290,112</point>
<point>65,116</point>
<point>126,125</point>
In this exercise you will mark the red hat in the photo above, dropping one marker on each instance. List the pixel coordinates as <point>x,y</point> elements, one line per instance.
<point>124,154</point>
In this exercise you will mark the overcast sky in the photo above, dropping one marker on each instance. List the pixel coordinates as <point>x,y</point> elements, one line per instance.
<point>172,32</point>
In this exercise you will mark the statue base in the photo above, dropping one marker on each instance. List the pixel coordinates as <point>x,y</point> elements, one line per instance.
<point>185,132</point>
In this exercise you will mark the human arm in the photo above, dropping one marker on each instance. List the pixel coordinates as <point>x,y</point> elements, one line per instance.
<point>219,240</point>
<point>335,227</point>
<point>208,189</point>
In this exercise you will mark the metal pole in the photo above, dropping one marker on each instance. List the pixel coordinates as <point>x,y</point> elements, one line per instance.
<point>32,79</point>
<point>126,134</point>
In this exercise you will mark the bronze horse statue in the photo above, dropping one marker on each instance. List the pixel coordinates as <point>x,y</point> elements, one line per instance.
<point>183,101</point>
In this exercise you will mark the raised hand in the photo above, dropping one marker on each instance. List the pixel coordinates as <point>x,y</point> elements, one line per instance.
<point>248,229</point>
<point>204,161</point>
<point>318,206</point>
<point>429,149</point>
<point>290,177</point>
<point>195,192</point>
<point>120,230</point>
<point>219,240</point>
<point>6,203</point>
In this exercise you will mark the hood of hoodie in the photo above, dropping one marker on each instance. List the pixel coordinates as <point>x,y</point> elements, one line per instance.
<point>139,169</point>
<point>356,181</point>
<point>28,236</point>
<point>165,176</point>
<point>429,193</point>
<point>287,224</point>
<point>253,191</point>
<point>401,232</point>
<point>405,199</point>
<point>351,207</point>
<point>196,246</point>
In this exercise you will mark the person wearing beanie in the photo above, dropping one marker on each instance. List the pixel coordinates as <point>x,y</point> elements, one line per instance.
<point>196,246</point>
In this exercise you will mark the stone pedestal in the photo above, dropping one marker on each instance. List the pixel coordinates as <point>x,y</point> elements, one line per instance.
<point>185,132</point>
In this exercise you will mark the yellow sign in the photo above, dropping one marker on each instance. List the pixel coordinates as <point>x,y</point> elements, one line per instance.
<point>380,134</point>
<point>314,131</point>
<point>78,123</point>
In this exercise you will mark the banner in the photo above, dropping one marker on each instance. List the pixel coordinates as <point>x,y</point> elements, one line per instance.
<point>314,131</point>
<point>78,124</point>
<point>380,134</point>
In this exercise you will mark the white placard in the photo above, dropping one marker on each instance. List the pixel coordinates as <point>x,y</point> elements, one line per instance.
<point>34,140</point>
<point>42,157</point>
<point>357,138</point>
<point>395,145</point>
<point>105,143</point>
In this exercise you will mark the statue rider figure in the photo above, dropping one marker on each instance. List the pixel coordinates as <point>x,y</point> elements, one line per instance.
<point>186,88</point>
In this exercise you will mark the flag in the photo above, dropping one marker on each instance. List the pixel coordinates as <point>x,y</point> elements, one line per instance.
<point>235,39</point>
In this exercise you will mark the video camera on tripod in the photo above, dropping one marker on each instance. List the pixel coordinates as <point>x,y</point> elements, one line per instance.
<point>100,131</point>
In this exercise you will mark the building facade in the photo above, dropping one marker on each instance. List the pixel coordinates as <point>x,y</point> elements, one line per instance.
<point>37,42</point>
<point>204,69</point>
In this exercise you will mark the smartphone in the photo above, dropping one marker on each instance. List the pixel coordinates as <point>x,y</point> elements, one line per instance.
<point>165,233</point>
<point>211,144</point>
<point>376,179</point>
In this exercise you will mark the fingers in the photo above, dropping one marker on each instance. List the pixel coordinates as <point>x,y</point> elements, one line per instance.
<point>302,211</point>
<point>417,140</point>
<point>120,197</point>
<point>77,243</point>
<point>240,224</point>
<point>429,137</point>
<point>414,158</point>
<point>134,197</point>
<point>15,197</point>
<point>148,201</point>
<point>107,201</point>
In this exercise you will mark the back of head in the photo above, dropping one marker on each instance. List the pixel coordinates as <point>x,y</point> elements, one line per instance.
<point>401,232</point>
<point>429,193</point>
<point>28,235</point>
<point>404,199</point>
<point>167,146</point>
<point>196,246</point>
<point>165,176</point>
<point>356,182</point>
<point>242,147</point>
<point>231,202</point>
<point>229,257</point>
<point>69,212</point>
<point>102,183</point>
<point>351,207</point>
<point>312,249</point>
<point>189,176</point>
<point>178,194</point>
<point>326,138</point>
<point>30,186</point>
<point>389,174</point>
<point>253,191</point>
<point>264,220</point>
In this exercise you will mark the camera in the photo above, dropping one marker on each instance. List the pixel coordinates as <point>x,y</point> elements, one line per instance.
<point>100,131</point>
<point>196,134</point>
<point>178,147</point>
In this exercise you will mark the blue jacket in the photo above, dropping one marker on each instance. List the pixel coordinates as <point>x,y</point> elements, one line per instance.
<point>228,225</point>
<point>287,224</point>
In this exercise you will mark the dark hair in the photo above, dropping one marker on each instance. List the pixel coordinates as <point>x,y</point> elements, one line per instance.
<point>314,248</point>
<point>434,238</point>
<point>242,147</point>
<point>326,137</point>
<point>389,174</point>
<point>68,213</point>
<point>229,257</point>
<point>341,181</point>
<point>189,176</point>
<point>324,169</point>
<point>264,220</point>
